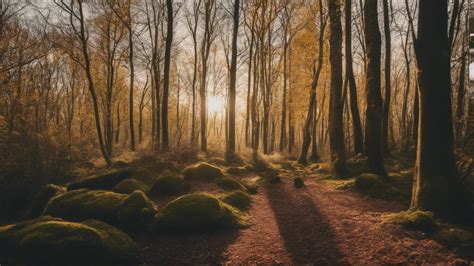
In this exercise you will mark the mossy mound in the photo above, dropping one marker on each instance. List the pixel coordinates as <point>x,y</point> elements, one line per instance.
<point>130,185</point>
<point>237,170</point>
<point>238,199</point>
<point>102,181</point>
<point>298,182</point>
<point>169,184</point>
<point>367,182</point>
<point>227,183</point>
<point>42,198</point>
<point>199,211</point>
<point>48,240</point>
<point>148,168</point>
<point>271,176</point>
<point>136,212</point>
<point>455,237</point>
<point>105,206</point>
<point>413,220</point>
<point>202,171</point>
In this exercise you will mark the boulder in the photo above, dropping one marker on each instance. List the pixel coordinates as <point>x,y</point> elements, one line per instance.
<point>101,181</point>
<point>228,183</point>
<point>298,182</point>
<point>48,240</point>
<point>42,198</point>
<point>109,207</point>
<point>169,184</point>
<point>202,171</point>
<point>128,186</point>
<point>199,211</point>
<point>238,199</point>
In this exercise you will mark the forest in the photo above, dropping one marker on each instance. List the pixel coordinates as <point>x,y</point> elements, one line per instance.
<point>164,132</point>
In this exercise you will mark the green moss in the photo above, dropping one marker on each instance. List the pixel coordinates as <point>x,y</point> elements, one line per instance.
<point>237,170</point>
<point>148,168</point>
<point>199,211</point>
<point>229,184</point>
<point>366,182</point>
<point>298,182</point>
<point>455,236</point>
<point>42,198</point>
<point>112,208</point>
<point>169,184</point>
<point>130,185</point>
<point>136,212</point>
<point>413,220</point>
<point>102,181</point>
<point>252,184</point>
<point>238,199</point>
<point>52,240</point>
<point>202,171</point>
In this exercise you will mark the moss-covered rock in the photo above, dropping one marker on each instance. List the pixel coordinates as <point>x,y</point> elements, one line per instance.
<point>130,185</point>
<point>169,184</point>
<point>367,181</point>
<point>112,208</point>
<point>42,198</point>
<point>148,169</point>
<point>298,182</point>
<point>237,170</point>
<point>136,212</point>
<point>238,199</point>
<point>455,236</point>
<point>199,211</point>
<point>202,171</point>
<point>101,181</point>
<point>228,183</point>
<point>48,240</point>
<point>413,220</point>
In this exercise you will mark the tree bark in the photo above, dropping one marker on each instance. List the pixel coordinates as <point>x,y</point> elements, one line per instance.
<point>388,86</point>
<point>373,133</point>
<point>336,129</point>
<point>356,124</point>
<point>166,74</point>
<point>436,186</point>
<point>230,154</point>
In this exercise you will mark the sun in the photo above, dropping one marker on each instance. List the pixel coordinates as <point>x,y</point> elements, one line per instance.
<point>215,104</point>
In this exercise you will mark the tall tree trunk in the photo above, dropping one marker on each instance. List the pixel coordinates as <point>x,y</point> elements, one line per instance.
<point>312,98</point>
<point>230,154</point>
<point>436,186</point>
<point>356,124</point>
<point>132,77</point>
<point>388,87</point>
<point>166,73</point>
<point>336,129</point>
<point>373,133</point>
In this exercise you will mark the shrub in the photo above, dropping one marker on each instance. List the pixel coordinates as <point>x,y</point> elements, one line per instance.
<point>102,181</point>
<point>227,183</point>
<point>238,199</point>
<point>105,206</point>
<point>413,220</point>
<point>51,240</point>
<point>202,171</point>
<point>169,185</point>
<point>42,198</point>
<point>130,185</point>
<point>298,182</point>
<point>199,211</point>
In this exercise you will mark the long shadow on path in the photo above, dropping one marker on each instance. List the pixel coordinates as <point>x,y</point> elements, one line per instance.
<point>306,232</point>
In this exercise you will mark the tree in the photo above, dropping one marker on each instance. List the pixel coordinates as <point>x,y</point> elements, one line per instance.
<point>356,124</point>
<point>166,73</point>
<point>307,132</point>
<point>75,11</point>
<point>436,186</point>
<point>336,104</point>
<point>373,133</point>
<point>388,76</point>
<point>230,153</point>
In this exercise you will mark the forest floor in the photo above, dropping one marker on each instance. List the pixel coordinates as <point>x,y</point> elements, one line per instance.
<point>317,225</point>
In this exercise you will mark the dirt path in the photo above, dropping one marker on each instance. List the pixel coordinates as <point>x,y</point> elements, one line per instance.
<point>314,225</point>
